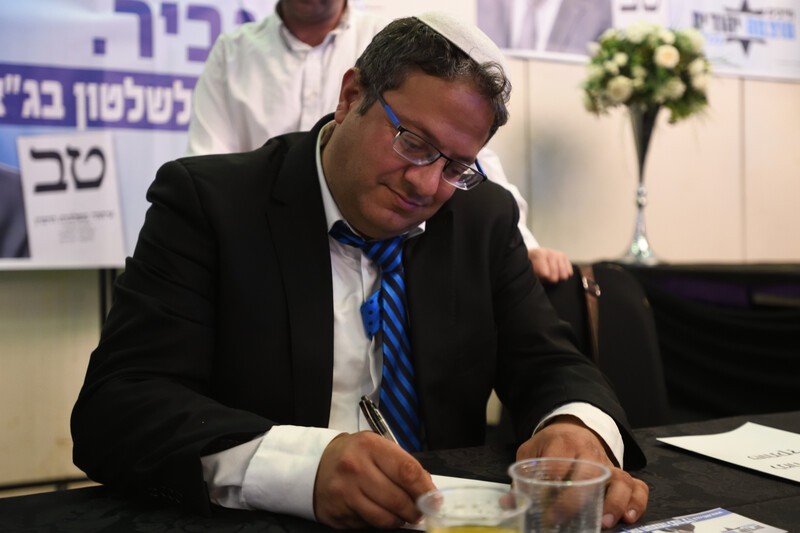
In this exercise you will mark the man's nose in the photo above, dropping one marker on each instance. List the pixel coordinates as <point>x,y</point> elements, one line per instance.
<point>425,179</point>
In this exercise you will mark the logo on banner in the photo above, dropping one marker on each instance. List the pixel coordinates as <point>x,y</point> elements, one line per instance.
<point>747,26</point>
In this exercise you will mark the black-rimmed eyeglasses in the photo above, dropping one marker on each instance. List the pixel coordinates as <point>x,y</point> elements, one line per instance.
<point>421,152</point>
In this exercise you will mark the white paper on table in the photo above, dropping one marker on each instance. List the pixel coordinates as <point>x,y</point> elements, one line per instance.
<point>446,482</point>
<point>762,448</point>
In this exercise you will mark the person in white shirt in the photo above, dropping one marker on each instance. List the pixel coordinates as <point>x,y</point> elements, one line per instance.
<point>282,73</point>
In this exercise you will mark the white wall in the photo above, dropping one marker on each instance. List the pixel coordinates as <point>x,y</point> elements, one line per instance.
<point>49,323</point>
<point>722,188</point>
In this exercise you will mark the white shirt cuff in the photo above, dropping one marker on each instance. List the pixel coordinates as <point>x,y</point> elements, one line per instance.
<point>596,420</point>
<point>274,472</point>
<point>280,477</point>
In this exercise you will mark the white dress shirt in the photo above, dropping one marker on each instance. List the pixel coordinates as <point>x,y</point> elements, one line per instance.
<point>276,472</point>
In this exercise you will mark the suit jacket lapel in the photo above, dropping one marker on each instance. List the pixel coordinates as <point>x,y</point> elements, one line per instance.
<point>297,223</point>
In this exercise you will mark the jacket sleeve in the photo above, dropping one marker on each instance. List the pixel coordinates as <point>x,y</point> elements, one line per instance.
<point>538,367</point>
<point>145,413</point>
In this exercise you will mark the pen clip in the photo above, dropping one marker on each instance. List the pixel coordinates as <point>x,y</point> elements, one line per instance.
<point>375,419</point>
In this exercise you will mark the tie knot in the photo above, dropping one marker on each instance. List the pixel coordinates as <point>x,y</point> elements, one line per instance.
<point>387,254</point>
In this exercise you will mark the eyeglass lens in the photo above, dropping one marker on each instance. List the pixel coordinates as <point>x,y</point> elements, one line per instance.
<point>421,152</point>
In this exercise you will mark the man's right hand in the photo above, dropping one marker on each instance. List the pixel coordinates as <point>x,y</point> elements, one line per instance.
<point>550,266</point>
<point>364,480</point>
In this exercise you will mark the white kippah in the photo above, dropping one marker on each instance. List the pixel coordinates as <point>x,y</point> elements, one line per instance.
<point>467,37</point>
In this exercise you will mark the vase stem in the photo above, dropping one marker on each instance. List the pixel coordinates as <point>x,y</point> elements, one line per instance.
<point>639,250</point>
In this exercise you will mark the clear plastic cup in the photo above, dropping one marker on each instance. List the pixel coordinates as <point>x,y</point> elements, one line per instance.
<point>566,494</point>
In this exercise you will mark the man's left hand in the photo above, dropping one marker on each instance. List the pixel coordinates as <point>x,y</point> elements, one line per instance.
<point>626,496</point>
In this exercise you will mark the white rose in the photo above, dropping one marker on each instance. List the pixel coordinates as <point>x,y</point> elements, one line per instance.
<point>611,67</point>
<point>619,89</point>
<point>700,82</point>
<point>608,34</point>
<point>592,47</point>
<point>638,83</point>
<point>639,72</point>
<point>674,89</point>
<point>637,32</point>
<point>621,58</point>
<point>695,39</point>
<point>595,72</point>
<point>666,56</point>
<point>667,36</point>
<point>697,67</point>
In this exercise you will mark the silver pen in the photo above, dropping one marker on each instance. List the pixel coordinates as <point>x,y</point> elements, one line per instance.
<point>375,419</point>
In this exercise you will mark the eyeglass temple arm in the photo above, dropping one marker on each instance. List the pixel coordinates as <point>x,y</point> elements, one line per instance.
<point>480,168</point>
<point>392,116</point>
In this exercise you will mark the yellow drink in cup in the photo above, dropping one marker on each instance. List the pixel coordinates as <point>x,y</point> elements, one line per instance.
<point>474,509</point>
<point>472,529</point>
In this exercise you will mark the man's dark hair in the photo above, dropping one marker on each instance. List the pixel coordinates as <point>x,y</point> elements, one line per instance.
<point>407,44</point>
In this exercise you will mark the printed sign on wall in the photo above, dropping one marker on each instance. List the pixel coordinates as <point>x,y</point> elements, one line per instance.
<point>748,38</point>
<point>69,184</point>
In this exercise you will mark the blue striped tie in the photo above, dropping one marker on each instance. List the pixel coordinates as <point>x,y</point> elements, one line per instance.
<point>399,404</point>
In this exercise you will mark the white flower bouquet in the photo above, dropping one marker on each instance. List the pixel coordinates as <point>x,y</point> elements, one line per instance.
<point>644,67</point>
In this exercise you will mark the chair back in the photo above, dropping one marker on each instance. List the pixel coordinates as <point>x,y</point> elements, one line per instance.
<point>627,343</point>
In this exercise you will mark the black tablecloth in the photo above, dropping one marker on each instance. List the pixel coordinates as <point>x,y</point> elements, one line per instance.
<point>729,336</point>
<point>680,483</point>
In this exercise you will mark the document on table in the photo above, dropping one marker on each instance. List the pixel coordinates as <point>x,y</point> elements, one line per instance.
<point>762,448</point>
<point>446,482</point>
<point>713,521</point>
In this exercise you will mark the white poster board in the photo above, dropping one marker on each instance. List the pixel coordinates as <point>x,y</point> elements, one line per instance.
<point>72,208</point>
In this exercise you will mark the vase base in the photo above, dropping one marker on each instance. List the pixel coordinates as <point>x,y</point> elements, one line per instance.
<point>631,258</point>
<point>639,251</point>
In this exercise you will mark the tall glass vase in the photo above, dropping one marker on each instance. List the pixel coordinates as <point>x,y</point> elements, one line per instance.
<point>643,121</point>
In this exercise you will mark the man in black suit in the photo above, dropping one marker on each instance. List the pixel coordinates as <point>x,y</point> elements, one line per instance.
<point>231,364</point>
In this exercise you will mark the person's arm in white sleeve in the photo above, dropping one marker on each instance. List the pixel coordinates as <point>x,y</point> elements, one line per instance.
<point>274,472</point>
<point>549,265</point>
<point>490,162</point>
<point>211,129</point>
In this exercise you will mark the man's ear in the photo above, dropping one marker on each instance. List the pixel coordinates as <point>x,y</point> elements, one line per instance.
<point>350,95</point>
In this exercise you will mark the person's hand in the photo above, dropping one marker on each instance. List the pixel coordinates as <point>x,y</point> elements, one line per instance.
<point>364,479</point>
<point>626,496</point>
<point>550,266</point>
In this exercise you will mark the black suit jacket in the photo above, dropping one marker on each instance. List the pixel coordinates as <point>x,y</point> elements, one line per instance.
<point>222,323</point>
